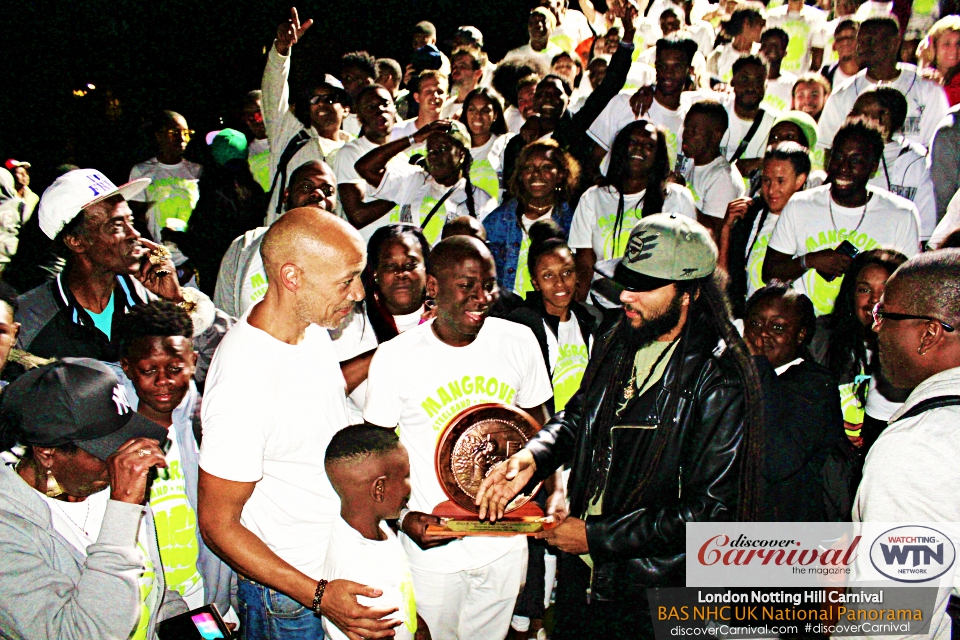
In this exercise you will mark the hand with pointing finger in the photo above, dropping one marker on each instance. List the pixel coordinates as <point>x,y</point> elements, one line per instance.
<point>289,32</point>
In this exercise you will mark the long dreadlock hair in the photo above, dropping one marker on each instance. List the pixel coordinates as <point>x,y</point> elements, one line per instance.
<point>619,173</point>
<point>846,350</point>
<point>710,312</point>
<point>465,165</point>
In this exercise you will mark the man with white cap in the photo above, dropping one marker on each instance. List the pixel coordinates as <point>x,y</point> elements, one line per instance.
<point>110,268</point>
<point>660,407</point>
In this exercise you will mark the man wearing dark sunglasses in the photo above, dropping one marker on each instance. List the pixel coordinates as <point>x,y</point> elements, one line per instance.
<point>311,129</point>
<point>911,473</point>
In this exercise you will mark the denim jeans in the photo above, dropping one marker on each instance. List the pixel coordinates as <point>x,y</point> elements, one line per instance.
<point>266,614</point>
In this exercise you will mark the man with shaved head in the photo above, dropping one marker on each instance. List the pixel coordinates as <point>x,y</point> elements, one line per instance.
<point>419,381</point>
<point>911,473</point>
<point>275,397</point>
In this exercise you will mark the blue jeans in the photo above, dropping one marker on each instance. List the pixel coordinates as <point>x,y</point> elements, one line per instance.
<point>269,615</point>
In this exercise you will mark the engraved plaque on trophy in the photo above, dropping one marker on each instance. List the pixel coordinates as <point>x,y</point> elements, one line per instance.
<point>473,443</point>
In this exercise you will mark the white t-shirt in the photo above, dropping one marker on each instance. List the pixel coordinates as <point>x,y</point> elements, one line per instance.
<point>806,31</point>
<point>408,128</point>
<point>737,130</point>
<point>486,169</point>
<point>805,226</point>
<point>714,185</point>
<point>618,113</point>
<point>574,30</point>
<point>381,564</point>
<point>949,222</point>
<point>906,169</point>
<point>358,337</point>
<point>523,283</point>
<point>926,105</point>
<point>343,166</point>
<point>176,524</point>
<point>420,383</point>
<point>417,193</point>
<point>254,285</point>
<point>569,356</point>
<point>269,411</point>
<point>720,62</point>
<point>596,215</point>
<point>756,250</point>
<point>514,119</point>
<point>779,95</point>
<point>839,79</point>
<point>173,192</point>
<point>545,56</point>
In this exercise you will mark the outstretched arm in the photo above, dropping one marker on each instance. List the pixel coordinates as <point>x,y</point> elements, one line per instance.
<point>276,92</point>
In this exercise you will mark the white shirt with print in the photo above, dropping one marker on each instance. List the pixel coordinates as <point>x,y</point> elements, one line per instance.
<point>343,165</point>
<point>779,95</point>
<point>806,30</point>
<point>596,215</point>
<point>926,105</point>
<point>737,130</point>
<point>806,226</point>
<point>569,356</point>
<point>419,383</point>
<point>756,250</point>
<point>486,168</point>
<point>417,193</point>
<point>714,185</point>
<point>173,192</point>
<point>618,113</point>
<point>905,164</point>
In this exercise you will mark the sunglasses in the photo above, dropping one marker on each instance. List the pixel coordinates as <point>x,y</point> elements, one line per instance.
<point>325,98</point>
<point>186,134</point>
<point>879,315</point>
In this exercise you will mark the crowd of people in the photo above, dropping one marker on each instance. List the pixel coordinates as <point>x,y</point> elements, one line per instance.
<point>711,249</point>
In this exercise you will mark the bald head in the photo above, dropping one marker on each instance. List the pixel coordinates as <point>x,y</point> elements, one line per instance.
<point>464,226</point>
<point>313,261</point>
<point>454,251</point>
<point>929,285</point>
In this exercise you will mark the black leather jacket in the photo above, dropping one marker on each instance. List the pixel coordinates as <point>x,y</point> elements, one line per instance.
<point>642,545</point>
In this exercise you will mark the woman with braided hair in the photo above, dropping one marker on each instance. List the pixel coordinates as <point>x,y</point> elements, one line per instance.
<point>635,186</point>
<point>439,191</point>
<point>665,429</point>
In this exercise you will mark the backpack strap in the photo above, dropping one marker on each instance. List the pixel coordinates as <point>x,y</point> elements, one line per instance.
<point>754,126</point>
<point>928,405</point>
<point>296,143</point>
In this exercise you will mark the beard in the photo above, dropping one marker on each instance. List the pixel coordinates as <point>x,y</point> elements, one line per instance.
<point>653,328</point>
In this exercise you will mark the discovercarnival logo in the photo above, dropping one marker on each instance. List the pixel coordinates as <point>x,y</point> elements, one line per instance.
<point>912,554</point>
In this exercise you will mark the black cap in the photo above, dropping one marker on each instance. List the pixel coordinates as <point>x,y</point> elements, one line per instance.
<point>76,401</point>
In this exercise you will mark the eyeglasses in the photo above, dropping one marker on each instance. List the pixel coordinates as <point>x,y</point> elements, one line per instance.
<point>186,134</point>
<point>879,315</point>
<point>325,98</point>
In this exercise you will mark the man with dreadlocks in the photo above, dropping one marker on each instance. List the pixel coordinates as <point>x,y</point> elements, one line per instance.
<point>672,419</point>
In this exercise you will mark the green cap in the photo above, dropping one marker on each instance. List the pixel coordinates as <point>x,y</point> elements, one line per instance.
<point>227,145</point>
<point>663,248</point>
<point>803,120</point>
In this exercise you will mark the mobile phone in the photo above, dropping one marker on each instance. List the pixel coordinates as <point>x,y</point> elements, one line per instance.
<point>846,248</point>
<point>202,623</point>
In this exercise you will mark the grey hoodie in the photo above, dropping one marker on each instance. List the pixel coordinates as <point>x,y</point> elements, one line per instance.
<point>48,589</point>
<point>234,266</point>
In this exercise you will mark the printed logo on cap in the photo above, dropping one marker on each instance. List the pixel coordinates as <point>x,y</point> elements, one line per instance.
<point>120,399</point>
<point>99,185</point>
<point>641,247</point>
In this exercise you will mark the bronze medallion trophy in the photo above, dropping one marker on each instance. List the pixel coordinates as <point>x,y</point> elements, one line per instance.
<point>473,443</point>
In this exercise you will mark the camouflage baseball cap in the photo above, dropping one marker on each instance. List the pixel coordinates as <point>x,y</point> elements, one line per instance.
<point>663,248</point>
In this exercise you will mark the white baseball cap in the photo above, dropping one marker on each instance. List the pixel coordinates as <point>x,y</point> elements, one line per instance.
<point>74,190</point>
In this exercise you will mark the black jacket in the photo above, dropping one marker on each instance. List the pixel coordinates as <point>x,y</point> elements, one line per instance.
<point>636,546</point>
<point>802,421</point>
<point>571,131</point>
<point>533,314</point>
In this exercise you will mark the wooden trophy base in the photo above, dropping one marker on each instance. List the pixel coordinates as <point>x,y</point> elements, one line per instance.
<point>458,522</point>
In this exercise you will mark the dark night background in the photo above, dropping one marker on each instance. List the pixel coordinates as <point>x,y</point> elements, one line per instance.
<point>197,57</point>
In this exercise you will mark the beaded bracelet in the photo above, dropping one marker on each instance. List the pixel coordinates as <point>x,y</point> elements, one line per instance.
<point>318,596</point>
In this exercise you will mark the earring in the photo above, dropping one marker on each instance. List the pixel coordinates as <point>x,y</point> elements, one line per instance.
<point>53,487</point>
<point>921,351</point>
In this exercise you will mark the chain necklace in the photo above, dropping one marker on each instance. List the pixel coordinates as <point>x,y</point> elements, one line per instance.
<point>82,527</point>
<point>834,223</point>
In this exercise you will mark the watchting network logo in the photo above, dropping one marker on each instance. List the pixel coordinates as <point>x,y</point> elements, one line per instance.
<point>912,554</point>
